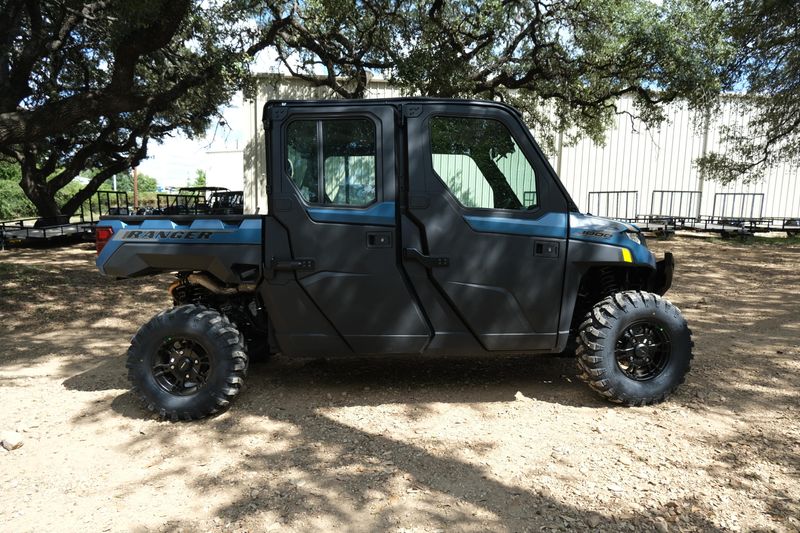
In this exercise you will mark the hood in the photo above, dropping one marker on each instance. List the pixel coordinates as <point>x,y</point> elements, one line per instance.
<point>582,222</point>
<point>610,232</point>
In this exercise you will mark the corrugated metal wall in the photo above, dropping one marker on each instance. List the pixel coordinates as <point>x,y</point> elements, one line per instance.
<point>632,159</point>
<point>636,159</point>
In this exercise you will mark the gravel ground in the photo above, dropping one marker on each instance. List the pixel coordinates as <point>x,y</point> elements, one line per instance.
<point>402,444</point>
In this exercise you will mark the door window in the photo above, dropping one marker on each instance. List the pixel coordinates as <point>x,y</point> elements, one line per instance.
<point>302,158</point>
<point>481,164</point>
<point>333,161</point>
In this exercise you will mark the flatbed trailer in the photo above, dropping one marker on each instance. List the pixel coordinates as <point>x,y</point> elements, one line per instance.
<point>744,226</point>
<point>733,214</point>
<point>38,230</point>
<point>22,232</point>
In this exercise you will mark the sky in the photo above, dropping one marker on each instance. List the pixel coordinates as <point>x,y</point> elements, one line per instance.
<point>174,163</point>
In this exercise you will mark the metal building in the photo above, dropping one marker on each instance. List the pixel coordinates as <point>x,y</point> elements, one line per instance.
<point>623,177</point>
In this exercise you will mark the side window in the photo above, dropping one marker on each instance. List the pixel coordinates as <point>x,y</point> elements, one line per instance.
<point>302,158</point>
<point>333,162</point>
<point>481,164</point>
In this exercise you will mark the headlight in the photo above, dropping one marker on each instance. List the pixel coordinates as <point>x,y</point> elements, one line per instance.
<point>634,236</point>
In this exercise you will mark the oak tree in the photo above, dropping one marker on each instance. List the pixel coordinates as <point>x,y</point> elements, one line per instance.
<point>86,85</point>
<point>764,77</point>
<point>565,63</point>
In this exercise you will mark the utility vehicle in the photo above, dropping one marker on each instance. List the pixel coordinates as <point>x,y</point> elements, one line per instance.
<point>188,201</point>
<point>226,203</point>
<point>402,226</point>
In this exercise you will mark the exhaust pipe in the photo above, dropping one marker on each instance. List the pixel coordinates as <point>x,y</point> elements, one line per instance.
<point>204,280</point>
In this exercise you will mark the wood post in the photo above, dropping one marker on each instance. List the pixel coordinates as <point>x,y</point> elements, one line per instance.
<point>135,188</point>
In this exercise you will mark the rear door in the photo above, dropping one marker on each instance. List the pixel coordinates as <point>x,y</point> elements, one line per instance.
<point>487,226</point>
<point>337,286</point>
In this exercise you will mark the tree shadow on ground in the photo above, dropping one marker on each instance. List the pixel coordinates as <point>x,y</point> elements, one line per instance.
<point>293,460</point>
<point>329,472</point>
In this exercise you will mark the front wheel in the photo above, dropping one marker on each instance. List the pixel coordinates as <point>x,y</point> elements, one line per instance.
<point>634,348</point>
<point>187,363</point>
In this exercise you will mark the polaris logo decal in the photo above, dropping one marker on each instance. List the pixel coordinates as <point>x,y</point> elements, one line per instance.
<point>177,234</point>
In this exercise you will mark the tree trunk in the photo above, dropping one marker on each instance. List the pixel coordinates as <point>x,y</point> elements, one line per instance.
<point>74,203</point>
<point>35,188</point>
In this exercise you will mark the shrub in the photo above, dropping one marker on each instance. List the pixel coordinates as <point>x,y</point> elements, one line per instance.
<point>13,202</point>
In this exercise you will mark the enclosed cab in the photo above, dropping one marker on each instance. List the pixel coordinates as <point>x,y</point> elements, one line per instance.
<point>405,226</point>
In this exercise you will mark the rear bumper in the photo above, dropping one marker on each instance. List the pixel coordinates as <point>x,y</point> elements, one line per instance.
<point>661,279</point>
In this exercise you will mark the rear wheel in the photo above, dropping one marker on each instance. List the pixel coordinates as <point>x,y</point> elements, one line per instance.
<point>634,348</point>
<point>187,363</point>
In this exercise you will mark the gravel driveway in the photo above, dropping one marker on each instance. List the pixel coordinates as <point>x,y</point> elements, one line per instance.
<point>402,443</point>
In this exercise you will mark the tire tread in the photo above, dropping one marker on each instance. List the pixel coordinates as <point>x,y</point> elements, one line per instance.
<point>216,326</point>
<point>596,328</point>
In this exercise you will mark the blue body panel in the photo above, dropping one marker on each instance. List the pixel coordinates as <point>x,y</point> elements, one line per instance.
<point>210,231</point>
<point>599,230</point>
<point>578,226</point>
<point>380,214</point>
<point>574,226</point>
<point>551,225</point>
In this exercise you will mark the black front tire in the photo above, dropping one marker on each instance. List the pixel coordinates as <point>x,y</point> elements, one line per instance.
<point>634,348</point>
<point>215,363</point>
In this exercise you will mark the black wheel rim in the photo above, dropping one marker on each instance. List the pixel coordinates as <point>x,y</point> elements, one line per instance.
<point>643,350</point>
<point>181,366</point>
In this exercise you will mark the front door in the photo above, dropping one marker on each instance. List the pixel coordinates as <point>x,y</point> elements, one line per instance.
<point>487,226</point>
<point>333,191</point>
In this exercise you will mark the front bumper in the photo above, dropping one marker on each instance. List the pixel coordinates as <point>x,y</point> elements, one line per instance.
<point>661,279</point>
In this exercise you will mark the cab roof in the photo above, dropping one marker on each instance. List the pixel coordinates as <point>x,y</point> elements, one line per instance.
<point>395,102</point>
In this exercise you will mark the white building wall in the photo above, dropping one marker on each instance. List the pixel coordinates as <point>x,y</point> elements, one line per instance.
<point>633,158</point>
<point>225,168</point>
<point>780,185</point>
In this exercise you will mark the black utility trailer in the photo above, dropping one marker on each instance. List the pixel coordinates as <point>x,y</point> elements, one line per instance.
<point>48,230</point>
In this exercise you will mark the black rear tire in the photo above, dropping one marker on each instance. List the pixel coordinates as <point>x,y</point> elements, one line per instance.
<point>187,363</point>
<point>634,348</point>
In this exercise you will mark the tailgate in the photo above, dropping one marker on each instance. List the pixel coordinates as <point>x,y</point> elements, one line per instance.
<point>227,247</point>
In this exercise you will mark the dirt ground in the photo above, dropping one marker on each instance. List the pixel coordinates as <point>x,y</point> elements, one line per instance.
<point>408,443</point>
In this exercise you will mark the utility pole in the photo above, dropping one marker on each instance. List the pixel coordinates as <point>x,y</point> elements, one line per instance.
<point>706,126</point>
<point>135,188</point>
<point>560,152</point>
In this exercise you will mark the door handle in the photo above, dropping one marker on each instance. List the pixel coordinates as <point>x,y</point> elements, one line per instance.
<point>379,239</point>
<point>292,264</point>
<point>428,261</point>
<point>545,248</point>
